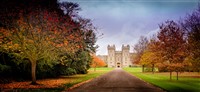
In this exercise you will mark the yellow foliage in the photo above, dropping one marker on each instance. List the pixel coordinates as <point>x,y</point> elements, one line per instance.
<point>149,58</point>
<point>30,41</point>
<point>9,47</point>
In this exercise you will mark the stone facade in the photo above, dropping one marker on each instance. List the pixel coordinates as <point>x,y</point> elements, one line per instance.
<point>115,58</point>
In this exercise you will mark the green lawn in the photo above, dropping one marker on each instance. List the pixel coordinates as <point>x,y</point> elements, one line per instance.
<point>186,83</point>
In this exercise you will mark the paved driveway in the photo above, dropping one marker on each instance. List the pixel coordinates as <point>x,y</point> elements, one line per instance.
<point>117,81</point>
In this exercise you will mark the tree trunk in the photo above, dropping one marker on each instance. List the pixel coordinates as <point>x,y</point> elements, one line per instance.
<point>170,75</point>
<point>153,68</point>
<point>142,68</point>
<point>177,75</point>
<point>33,70</point>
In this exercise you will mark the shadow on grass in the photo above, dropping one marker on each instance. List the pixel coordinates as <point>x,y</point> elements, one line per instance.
<point>177,89</point>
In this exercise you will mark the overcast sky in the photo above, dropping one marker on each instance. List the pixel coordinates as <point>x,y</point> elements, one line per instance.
<point>124,21</point>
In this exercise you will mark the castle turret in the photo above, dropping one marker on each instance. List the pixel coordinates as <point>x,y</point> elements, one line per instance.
<point>125,55</point>
<point>111,55</point>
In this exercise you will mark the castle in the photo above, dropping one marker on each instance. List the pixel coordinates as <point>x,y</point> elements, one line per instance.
<point>118,59</point>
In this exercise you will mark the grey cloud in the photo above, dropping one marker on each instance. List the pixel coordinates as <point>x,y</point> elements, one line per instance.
<point>124,21</point>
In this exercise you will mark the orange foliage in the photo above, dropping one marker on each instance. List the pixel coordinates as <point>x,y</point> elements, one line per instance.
<point>97,62</point>
<point>45,83</point>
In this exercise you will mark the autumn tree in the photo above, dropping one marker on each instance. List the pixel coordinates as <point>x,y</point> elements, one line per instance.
<point>192,25</point>
<point>47,34</point>
<point>139,49</point>
<point>172,46</point>
<point>97,62</point>
<point>151,56</point>
<point>35,37</point>
<point>81,59</point>
<point>148,59</point>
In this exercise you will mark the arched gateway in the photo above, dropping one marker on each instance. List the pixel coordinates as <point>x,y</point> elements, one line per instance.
<point>118,65</point>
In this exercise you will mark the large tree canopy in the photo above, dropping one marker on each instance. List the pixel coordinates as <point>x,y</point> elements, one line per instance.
<point>41,30</point>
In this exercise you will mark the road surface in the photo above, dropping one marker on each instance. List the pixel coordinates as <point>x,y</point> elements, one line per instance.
<point>116,81</point>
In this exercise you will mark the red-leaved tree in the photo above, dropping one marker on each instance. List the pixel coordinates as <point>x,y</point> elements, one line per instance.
<point>172,46</point>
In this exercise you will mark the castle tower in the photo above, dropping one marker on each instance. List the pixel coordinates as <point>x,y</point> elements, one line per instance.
<point>125,56</point>
<point>111,56</point>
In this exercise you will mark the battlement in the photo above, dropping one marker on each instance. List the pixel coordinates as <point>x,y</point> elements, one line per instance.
<point>111,47</point>
<point>125,47</point>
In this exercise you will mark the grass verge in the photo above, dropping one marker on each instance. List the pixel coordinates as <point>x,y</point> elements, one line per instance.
<point>188,82</point>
